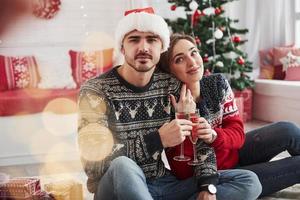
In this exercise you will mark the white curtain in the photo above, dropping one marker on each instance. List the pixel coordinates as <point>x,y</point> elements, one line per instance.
<point>270,22</point>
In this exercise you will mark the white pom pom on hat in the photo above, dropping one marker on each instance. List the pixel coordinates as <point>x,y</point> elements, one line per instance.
<point>143,20</point>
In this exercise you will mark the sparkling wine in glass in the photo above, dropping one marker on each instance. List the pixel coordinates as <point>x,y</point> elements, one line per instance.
<point>194,117</point>
<point>182,157</point>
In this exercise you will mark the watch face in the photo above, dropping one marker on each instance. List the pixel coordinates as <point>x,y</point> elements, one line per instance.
<point>212,189</point>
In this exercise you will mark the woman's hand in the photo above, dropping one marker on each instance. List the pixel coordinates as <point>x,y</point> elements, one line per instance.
<point>185,103</point>
<point>205,132</point>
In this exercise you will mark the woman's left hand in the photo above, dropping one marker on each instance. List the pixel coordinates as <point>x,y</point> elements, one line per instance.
<point>205,132</point>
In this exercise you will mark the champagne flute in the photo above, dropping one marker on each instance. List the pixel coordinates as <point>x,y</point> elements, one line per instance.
<point>182,157</point>
<point>194,117</point>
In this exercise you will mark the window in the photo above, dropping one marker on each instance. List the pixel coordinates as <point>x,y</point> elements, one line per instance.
<point>297,10</point>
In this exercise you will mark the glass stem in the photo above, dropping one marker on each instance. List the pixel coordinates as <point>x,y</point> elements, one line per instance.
<point>195,153</point>
<point>182,149</point>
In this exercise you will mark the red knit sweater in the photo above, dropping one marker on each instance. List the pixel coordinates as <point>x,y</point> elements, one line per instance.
<point>218,107</point>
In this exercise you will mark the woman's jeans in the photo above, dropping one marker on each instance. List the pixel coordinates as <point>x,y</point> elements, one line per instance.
<point>265,143</point>
<point>124,179</point>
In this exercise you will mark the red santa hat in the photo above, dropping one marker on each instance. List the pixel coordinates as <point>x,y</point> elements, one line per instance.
<point>143,20</point>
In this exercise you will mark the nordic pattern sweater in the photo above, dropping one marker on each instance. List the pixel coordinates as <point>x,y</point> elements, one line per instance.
<point>119,119</point>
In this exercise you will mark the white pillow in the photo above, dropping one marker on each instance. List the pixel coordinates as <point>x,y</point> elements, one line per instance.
<point>54,68</point>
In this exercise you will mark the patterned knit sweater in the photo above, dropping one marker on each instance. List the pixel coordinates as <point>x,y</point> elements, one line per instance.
<point>219,109</point>
<point>119,119</point>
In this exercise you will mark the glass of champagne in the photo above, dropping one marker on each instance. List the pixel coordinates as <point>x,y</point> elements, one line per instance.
<point>194,117</point>
<point>182,157</point>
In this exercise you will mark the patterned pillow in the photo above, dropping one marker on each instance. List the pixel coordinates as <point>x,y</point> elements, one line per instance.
<point>86,65</point>
<point>18,72</point>
<point>279,53</point>
<point>266,64</point>
<point>291,65</point>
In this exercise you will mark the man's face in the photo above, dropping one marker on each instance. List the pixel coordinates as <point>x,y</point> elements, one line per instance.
<point>141,50</point>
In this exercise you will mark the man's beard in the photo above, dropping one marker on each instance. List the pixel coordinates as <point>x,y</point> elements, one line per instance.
<point>141,69</point>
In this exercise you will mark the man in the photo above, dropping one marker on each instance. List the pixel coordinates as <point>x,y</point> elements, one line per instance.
<point>125,124</point>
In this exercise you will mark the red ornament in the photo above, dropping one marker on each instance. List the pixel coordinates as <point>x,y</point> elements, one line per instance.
<point>218,11</point>
<point>236,39</point>
<point>205,58</point>
<point>195,17</point>
<point>240,60</point>
<point>197,40</point>
<point>173,7</point>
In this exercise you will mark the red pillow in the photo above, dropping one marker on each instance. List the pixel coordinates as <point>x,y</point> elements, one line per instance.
<point>18,72</point>
<point>86,65</point>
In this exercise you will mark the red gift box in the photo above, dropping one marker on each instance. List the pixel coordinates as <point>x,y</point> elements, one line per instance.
<point>240,104</point>
<point>247,94</point>
<point>20,188</point>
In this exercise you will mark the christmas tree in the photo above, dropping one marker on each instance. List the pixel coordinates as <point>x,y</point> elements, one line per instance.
<point>218,40</point>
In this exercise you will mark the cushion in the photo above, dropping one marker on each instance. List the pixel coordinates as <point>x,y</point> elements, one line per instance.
<point>54,68</point>
<point>18,72</point>
<point>266,64</point>
<point>28,101</point>
<point>86,65</point>
<point>279,53</point>
<point>291,65</point>
<point>293,73</point>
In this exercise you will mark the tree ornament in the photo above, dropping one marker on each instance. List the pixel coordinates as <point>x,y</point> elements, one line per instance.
<point>205,58</point>
<point>173,7</point>
<point>218,11</point>
<point>197,40</point>
<point>207,72</point>
<point>209,11</point>
<point>218,33</point>
<point>240,60</point>
<point>193,5</point>
<point>46,9</point>
<point>187,0</point>
<point>195,17</point>
<point>220,64</point>
<point>236,39</point>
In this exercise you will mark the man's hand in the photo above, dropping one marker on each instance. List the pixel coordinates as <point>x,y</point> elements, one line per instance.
<point>174,132</point>
<point>204,195</point>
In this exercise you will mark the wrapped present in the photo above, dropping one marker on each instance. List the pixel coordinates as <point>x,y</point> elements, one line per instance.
<point>240,104</point>
<point>65,190</point>
<point>20,188</point>
<point>247,94</point>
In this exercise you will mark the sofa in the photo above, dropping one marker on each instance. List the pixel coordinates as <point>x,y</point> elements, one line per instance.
<point>276,100</point>
<point>277,90</point>
<point>38,104</point>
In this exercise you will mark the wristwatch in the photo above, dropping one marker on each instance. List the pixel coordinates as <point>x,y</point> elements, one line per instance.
<point>209,188</point>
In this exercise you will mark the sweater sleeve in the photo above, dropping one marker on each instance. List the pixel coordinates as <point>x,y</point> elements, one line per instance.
<point>206,173</point>
<point>231,132</point>
<point>95,139</point>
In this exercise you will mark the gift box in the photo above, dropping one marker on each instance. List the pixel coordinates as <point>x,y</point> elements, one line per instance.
<point>247,95</point>
<point>240,105</point>
<point>65,190</point>
<point>20,188</point>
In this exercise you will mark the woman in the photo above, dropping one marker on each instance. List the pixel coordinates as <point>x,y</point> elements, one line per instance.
<point>222,127</point>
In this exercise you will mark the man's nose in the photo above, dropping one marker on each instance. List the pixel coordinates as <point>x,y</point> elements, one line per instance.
<point>143,46</point>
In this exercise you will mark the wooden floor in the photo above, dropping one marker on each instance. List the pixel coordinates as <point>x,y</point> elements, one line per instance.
<point>51,172</point>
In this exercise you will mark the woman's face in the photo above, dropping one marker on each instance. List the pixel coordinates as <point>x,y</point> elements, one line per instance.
<point>186,63</point>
